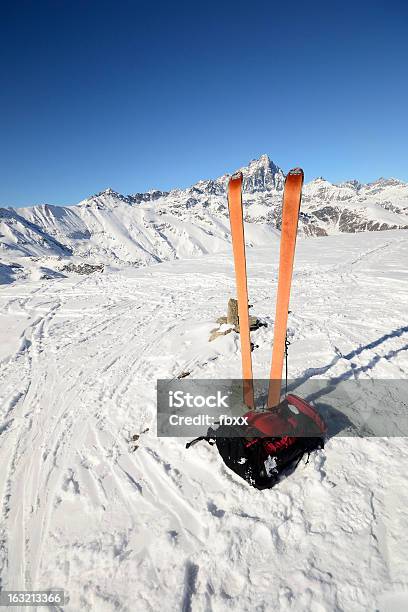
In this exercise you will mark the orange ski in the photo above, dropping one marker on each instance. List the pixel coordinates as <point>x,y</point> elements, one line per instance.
<point>238,246</point>
<point>290,215</point>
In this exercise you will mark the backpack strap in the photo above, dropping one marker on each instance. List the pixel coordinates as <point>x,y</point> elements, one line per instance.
<point>208,438</point>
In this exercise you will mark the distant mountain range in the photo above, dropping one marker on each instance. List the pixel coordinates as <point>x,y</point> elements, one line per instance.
<point>151,227</point>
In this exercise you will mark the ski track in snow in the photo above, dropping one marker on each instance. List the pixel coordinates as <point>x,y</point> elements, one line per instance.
<point>166,528</point>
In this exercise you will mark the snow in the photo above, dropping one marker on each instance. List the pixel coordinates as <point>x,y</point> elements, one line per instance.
<point>160,527</point>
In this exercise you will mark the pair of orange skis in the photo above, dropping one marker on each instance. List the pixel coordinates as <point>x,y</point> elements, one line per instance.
<point>290,215</point>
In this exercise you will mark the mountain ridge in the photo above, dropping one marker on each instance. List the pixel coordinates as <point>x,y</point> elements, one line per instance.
<point>144,228</point>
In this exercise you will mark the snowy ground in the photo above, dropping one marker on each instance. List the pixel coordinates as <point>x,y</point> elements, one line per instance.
<point>165,528</point>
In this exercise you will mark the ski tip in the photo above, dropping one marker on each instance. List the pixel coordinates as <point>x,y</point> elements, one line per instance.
<point>237,176</point>
<point>296,171</point>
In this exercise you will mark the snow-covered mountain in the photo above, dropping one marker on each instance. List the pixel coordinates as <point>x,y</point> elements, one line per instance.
<point>144,228</point>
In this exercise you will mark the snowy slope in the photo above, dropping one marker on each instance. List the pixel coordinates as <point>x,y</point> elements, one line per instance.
<point>141,229</point>
<point>166,528</point>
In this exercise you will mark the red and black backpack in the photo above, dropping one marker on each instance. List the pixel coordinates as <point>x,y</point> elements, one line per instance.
<point>273,442</point>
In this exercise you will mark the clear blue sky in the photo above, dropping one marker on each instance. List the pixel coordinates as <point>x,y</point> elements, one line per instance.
<point>134,95</point>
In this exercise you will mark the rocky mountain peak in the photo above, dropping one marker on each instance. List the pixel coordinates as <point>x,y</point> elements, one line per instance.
<point>352,183</point>
<point>263,175</point>
<point>386,182</point>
